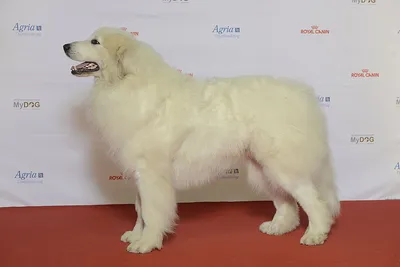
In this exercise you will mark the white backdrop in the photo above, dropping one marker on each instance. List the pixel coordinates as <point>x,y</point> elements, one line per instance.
<point>347,49</point>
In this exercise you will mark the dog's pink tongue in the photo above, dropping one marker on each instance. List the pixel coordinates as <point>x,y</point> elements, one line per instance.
<point>81,66</point>
<point>85,65</point>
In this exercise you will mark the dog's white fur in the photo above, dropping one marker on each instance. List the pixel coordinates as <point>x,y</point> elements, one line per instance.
<point>174,131</point>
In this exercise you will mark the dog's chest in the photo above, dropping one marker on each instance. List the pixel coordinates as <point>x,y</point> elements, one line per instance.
<point>114,115</point>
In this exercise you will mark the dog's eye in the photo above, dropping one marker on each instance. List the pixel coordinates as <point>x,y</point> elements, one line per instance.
<point>95,42</point>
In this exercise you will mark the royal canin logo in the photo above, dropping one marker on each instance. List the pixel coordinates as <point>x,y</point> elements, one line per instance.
<point>365,74</point>
<point>117,177</point>
<point>314,30</point>
<point>133,33</point>
<point>190,74</point>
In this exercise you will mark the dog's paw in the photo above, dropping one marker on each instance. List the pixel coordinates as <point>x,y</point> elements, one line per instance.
<point>126,235</point>
<point>131,236</point>
<point>278,228</point>
<point>145,244</point>
<point>313,238</point>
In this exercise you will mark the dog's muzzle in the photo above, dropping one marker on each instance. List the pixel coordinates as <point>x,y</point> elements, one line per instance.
<point>86,67</point>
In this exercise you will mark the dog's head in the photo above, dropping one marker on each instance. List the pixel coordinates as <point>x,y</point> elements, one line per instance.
<point>101,53</point>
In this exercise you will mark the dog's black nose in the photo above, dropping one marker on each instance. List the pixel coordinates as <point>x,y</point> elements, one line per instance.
<point>66,47</point>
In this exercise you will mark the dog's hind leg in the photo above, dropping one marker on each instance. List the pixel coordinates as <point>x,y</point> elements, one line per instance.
<point>286,218</point>
<point>325,184</point>
<point>303,190</point>
<point>291,164</point>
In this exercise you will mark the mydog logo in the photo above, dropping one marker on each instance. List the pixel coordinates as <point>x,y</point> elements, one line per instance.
<point>29,177</point>
<point>364,2</point>
<point>362,139</point>
<point>226,31</point>
<point>175,1</point>
<point>117,177</point>
<point>315,30</point>
<point>365,73</point>
<point>190,74</point>
<point>26,104</point>
<point>27,29</point>
<point>324,100</point>
<point>133,33</point>
<point>231,173</point>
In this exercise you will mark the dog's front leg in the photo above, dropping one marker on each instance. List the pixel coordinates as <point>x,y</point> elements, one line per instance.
<point>158,207</point>
<point>136,233</point>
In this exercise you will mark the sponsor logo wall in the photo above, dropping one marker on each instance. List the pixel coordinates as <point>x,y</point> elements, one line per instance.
<point>347,51</point>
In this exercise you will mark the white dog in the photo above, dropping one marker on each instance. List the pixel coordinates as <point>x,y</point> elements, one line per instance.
<point>172,131</point>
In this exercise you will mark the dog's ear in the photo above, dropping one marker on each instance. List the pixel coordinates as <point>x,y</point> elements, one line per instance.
<point>125,55</point>
<point>120,55</point>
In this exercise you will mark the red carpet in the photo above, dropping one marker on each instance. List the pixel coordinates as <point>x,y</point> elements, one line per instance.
<point>208,234</point>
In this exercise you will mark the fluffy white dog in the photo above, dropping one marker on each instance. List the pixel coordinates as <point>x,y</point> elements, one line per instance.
<point>173,131</point>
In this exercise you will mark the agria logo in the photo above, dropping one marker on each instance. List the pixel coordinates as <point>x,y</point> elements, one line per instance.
<point>29,177</point>
<point>226,31</point>
<point>231,174</point>
<point>26,104</point>
<point>324,101</point>
<point>364,2</point>
<point>397,168</point>
<point>28,29</point>
<point>133,33</point>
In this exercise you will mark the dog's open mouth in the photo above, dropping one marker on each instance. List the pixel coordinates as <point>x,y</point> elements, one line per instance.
<point>85,68</point>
